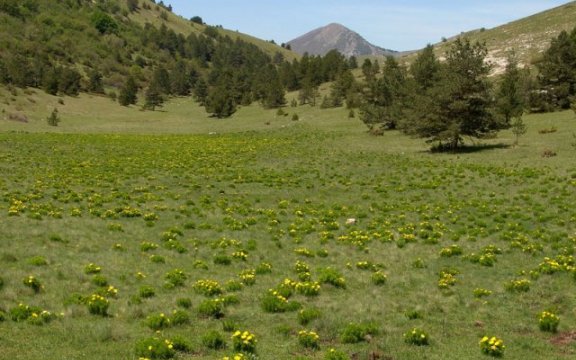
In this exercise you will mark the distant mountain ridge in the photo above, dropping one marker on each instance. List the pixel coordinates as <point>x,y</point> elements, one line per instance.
<point>336,37</point>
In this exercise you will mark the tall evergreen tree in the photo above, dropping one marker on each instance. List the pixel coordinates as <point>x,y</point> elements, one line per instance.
<point>129,92</point>
<point>161,80</point>
<point>153,98</point>
<point>180,79</point>
<point>95,84</point>
<point>425,69</point>
<point>460,103</point>
<point>558,69</point>
<point>384,99</point>
<point>510,97</point>
<point>220,102</point>
<point>201,91</point>
<point>273,94</point>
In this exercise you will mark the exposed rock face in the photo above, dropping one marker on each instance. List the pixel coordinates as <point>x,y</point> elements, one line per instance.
<point>336,37</point>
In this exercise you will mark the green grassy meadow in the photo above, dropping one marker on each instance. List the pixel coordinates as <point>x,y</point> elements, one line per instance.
<point>174,215</point>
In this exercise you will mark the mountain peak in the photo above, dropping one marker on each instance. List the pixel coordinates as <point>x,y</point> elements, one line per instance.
<point>335,36</point>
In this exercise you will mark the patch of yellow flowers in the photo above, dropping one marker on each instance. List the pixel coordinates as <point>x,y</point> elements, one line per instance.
<point>492,346</point>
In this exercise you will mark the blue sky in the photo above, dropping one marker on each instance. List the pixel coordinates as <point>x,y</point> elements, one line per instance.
<point>397,25</point>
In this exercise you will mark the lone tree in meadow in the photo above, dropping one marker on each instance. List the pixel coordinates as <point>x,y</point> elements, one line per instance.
<point>459,104</point>
<point>54,118</point>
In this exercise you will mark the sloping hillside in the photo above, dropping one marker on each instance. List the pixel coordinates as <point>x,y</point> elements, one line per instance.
<point>528,37</point>
<point>108,36</point>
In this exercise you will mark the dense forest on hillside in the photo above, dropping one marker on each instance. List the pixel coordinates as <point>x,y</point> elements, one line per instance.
<point>67,46</point>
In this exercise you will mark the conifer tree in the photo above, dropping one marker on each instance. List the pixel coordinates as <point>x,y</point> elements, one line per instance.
<point>460,103</point>
<point>129,92</point>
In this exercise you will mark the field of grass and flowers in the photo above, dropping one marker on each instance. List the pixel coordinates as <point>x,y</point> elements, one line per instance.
<point>304,241</point>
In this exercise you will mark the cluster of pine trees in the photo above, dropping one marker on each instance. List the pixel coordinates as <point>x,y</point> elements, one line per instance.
<point>444,102</point>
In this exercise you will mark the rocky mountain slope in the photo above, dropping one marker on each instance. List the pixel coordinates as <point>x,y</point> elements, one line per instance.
<point>336,37</point>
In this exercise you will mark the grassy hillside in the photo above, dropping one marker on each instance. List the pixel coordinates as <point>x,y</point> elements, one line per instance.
<point>528,37</point>
<point>183,26</point>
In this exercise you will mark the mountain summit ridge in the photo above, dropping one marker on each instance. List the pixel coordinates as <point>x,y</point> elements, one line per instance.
<point>336,36</point>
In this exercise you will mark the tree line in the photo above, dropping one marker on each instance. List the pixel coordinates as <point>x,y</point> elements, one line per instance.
<point>445,102</point>
<point>69,46</point>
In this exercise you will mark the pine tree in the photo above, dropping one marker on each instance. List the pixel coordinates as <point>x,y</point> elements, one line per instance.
<point>152,98</point>
<point>128,93</point>
<point>95,84</point>
<point>54,118</point>
<point>460,103</point>
<point>425,69</point>
<point>180,79</point>
<point>201,91</point>
<point>220,102</point>
<point>510,97</point>
<point>558,69</point>
<point>518,128</point>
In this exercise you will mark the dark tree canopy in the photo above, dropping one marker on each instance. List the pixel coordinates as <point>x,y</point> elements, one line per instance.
<point>128,92</point>
<point>460,103</point>
<point>558,70</point>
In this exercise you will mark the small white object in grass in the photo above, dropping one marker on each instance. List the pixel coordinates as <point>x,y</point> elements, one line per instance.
<point>351,221</point>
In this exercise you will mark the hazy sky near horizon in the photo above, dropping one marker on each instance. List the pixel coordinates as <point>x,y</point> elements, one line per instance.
<point>397,25</point>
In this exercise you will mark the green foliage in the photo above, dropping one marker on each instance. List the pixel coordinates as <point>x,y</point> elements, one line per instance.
<point>510,97</point>
<point>185,303</point>
<point>460,102</point>
<point>557,75</point>
<point>518,128</point>
<point>33,283</point>
<point>244,341</point>
<point>128,92</point>
<point>179,317</point>
<point>308,339</point>
<point>211,308</point>
<point>155,348</point>
<point>214,340</point>
<point>384,100</point>
<point>54,118</point>
<point>98,305</point>
<point>548,321</point>
<point>334,354</point>
<point>157,321</point>
<point>306,316</point>
<point>175,278</point>
<point>331,276</point>
<point>492,346</point>
<point>357,332</point>
<point>425,69</point>
<point>132,5</point>
<point>152,98</point>
<point>146,291</point>
<point>417,337</point>
<point>104,23</point>
<point>220,103</point>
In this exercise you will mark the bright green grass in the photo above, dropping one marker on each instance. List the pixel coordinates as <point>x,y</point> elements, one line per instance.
<point>277,186</point>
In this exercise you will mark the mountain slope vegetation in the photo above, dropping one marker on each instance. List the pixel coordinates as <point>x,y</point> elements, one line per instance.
<point>65,47</point>
<point>528,37</point>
